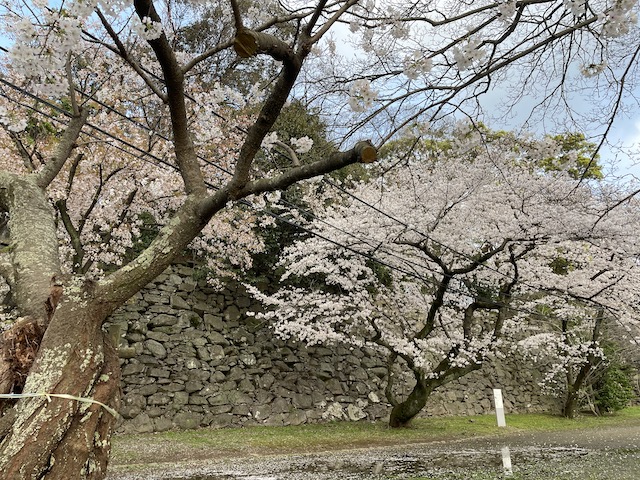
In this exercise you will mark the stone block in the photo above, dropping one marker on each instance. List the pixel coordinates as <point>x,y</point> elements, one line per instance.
<point>180,398</point>
<point>148,390</point>
<point>197,400</point>
<point>172,387</point>
<point>159,399</point>
<point>217,338</point>
<point>242,410</point>
<point>163,320</point>
<point>355,413</point>
<point>216,352</point>
<point>280,405</point>
<point>156,348</point>
<point>133,368</point>
<point>158,336</point>
<point>187,420</point>
<point>334,386</point>
<point>162,424</point>
<point>127,352</point>
<point>215,322</point>
<point>297,417</point>
<point>130,411</point>
<point>221,421</point>
<point>159,372</point>
<point>154,412</point>
<point>301,400</point>
<point>246,386</point>
<point>192,363</point>
<point>193,386</point>
<point>232,314</point>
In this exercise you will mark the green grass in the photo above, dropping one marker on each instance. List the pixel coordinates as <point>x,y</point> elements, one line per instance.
<point>345,435</point>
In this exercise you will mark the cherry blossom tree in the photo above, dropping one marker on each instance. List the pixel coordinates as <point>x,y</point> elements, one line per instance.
<point>445,262</point>
<point>589,295</point>
<point>87,83</point>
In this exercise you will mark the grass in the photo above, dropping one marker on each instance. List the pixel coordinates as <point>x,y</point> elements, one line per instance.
<point>344,435</point>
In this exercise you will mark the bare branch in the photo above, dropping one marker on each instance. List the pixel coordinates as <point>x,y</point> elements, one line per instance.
<point>290,153</point>
<point>27,158</point>
<point>325,28</point>
<point>249,43</point>
<point>228,44</point>
<point>314,18</point>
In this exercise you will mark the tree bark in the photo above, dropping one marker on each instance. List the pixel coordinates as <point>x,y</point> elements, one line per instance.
<point>571,403</point>
<point>59,438</point>
<point>404,412</point>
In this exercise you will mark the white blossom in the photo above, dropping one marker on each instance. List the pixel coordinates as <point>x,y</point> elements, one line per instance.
<point>467,54</point>
<point>147,28</point>
<point>592,69</point>
<point>361,95</point>
<point>270,140</point>
<point>302,144</point>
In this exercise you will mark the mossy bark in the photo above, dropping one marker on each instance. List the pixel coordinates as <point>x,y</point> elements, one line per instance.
<point>403,412</point>
<point>61,438</point>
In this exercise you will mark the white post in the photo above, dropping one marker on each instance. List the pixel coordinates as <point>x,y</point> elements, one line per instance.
<point>506,462</point>
<point>497,398</point>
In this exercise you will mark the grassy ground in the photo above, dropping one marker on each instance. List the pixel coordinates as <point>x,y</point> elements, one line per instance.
<point>195,444</point>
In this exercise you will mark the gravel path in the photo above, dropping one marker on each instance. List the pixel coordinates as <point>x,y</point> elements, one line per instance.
<point>403,461</point>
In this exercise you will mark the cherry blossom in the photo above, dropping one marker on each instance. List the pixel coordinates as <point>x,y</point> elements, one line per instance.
<point>419,256</point>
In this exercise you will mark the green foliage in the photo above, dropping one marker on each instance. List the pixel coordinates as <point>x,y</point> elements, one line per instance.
<point>576,156</point>
<point>296,121</point>
<point>38,130</point>
<point>614,390</point>
<point>211,28</point>
<point>275,238</point>
<point>561,266</point>
<point>428,149</point>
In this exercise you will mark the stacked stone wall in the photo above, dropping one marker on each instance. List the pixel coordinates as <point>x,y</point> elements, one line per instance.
<point>191,357</point>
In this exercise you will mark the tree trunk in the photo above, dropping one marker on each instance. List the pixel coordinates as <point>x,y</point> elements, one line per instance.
<point>403,412</point>
<point>60,438</point>
<point>571,403</point>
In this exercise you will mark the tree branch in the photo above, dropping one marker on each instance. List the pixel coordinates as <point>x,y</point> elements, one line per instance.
<point>122,52</point>
<point>237,17</point>
<point>362,152</point>
<point>186,157</point>
<point>63,151</point>
<point>249,43</point>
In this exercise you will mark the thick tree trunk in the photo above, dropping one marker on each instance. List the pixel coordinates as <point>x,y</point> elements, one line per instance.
<point>404,412</point>
<point>60,438</point>
<point>571,403</point>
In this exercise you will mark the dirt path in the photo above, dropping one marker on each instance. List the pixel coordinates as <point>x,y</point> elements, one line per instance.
<point>168,461</point>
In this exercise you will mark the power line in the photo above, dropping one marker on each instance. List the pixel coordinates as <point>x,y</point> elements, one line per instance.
<point>366,255</point>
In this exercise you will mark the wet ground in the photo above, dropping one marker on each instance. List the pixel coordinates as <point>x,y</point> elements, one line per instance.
<point>612,453</point>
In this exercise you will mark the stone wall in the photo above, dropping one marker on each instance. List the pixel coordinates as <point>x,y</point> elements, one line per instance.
<point>192,358</point>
